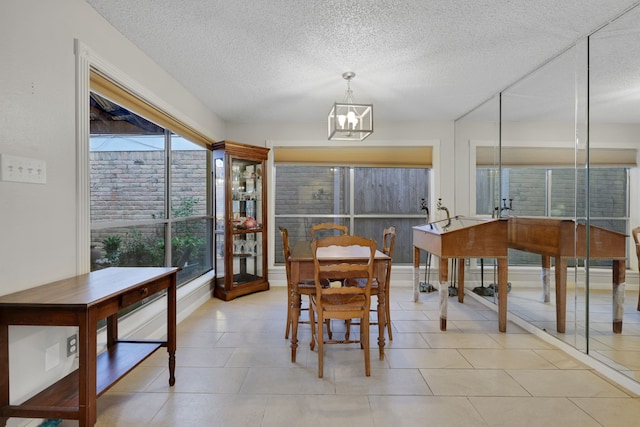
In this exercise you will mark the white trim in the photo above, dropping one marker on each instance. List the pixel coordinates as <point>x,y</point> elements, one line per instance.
<point>83,201</point>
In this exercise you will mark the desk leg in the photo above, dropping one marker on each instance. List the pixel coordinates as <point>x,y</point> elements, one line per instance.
<point>416,273</point>
<point>4,370</point>
<point>87,387</point>
<point>503,276</point>
<point>546,278</point>
<point>461,280</point>
<point>618,294</point>
<point>443,291</point>
<point>561,294</point>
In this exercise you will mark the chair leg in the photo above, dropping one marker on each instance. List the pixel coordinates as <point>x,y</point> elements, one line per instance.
<point>312,320</point>
<point>387,316</point>
<point>320,345</point>
<point>388,311</point>
<point>289,309</point>
<point>364,339</point>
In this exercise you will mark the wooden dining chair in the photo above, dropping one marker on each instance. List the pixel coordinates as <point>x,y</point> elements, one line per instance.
<point>388,242</point>
<point>305,286</point>
<point>341,302</point>
<point>325,229</point>
<point>635,233</point>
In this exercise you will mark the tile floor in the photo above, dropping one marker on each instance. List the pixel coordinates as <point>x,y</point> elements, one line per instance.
<point>234,369</point>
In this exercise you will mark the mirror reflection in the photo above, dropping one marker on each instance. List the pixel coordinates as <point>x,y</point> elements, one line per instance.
<point>614,121</point>
<point>559,148</point>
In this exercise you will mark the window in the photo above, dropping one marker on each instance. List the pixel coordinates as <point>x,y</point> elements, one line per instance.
<point>366,199</point>
<point>150,204</point>
<point>552,192</point>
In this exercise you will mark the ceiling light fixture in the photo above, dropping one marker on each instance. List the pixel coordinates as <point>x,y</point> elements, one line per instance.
<point>349,121</point>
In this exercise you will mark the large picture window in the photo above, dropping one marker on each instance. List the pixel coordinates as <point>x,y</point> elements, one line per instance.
<point>366,199</point>
<point>150,204</point>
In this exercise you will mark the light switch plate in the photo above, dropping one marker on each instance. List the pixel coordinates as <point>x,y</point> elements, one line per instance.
<point>22,169</point>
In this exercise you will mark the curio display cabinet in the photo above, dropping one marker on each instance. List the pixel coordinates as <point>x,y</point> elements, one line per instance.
<point>241,221</point>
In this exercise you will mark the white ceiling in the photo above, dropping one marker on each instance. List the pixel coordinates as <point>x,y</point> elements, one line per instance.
<point>282,60</point>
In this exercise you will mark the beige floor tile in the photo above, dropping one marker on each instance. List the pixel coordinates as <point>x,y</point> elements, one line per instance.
<point>420,411</point>
<point>628,359</point>
<point>140,379</point>
<point>229,410</point>
<point>318,410</point>
<point>561,359</point>
<point>514,340</point>
<point>417,325</point>
<point>505,359</point>
<point>453,339</point>
<point>278,381</point>
<point>268,357</point>
<point>197,357</point>
<point>381,382</point>
<point>202,380</point>
<point>407,340</point>
<point>426,358</point>
<point>532,412</point>
<point>567,383</point>
<point>187,338</point>
<point>474,382</point>
<point>617,412</point>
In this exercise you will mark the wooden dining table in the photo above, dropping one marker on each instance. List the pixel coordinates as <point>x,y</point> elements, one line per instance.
<point>302,267</point>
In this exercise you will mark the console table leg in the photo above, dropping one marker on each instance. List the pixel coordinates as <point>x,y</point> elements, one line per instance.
<point>561,294</point>
<point>618,294</point>
<point>546,278</point>
<point>443,290</point>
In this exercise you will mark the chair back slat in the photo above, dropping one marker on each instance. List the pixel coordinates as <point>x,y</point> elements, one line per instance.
<point>327,228</point>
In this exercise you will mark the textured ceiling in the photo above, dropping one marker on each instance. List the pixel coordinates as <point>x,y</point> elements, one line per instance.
<point>282,60</point>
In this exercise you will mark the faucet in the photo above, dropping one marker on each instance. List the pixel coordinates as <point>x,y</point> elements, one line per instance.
<point>424,207</point>
<point>441,207</point>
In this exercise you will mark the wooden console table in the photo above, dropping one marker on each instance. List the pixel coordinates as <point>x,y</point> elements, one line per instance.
<point>564,239</point>
<point>82,301</point>
<point>459,238</point>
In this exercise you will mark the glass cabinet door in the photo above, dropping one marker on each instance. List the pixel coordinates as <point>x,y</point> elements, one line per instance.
<point>246,211</point>
<point>219,231</point>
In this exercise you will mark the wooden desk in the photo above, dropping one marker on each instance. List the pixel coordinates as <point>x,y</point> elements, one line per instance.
<point>302,268</point>
<point>463,237</point>
<point>82,301</point>
<point>556,238</point>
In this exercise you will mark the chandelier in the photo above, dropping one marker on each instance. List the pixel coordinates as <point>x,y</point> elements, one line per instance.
<point>349,121</point>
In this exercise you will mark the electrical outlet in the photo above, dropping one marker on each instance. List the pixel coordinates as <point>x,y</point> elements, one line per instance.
<point>22,169</point>
<point>72,345</point>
